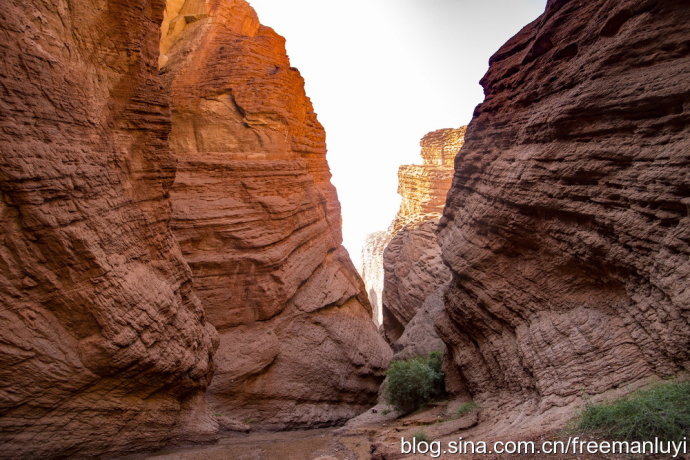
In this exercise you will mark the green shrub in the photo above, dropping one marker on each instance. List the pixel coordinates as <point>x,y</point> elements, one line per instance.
<point>421,436</point>
<point>465,408</point>
<point>435,361</point>
<point>414,382</point>
<point>662,411</point>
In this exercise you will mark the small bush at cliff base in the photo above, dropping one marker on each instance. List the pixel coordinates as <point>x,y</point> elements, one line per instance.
<point>421,436</point>
<point>662,411</point>
<point>465,408</point>
<point>414,382</point>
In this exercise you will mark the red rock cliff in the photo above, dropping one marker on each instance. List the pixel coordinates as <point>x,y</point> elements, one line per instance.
<point>568,223</point>
<point>412,264</point>
<point>259,224</point>
<point>103,345</point>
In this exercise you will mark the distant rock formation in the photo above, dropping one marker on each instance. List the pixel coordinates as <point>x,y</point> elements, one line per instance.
<point>568,223</point>
<point>424,187</point>
<point>104,347</point>
<point>372,270</point>
<point>259,223</point>
<point>412,260</point>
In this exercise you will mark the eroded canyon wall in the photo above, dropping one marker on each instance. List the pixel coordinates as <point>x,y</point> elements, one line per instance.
<point>103,345</point>
<point>567,227</point>
<point>413,268</point>
<point>259,223</point>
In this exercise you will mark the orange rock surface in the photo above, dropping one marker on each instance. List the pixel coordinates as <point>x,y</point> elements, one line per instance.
<point>104,347</point>
<point>423,188</point>
<point>259,223</point>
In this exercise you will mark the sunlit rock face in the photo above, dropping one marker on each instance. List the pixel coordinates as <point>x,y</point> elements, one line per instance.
<point>567,227</point>
<point>423,188</point>
<point>412,261</point>
<point>259,223</point>
<point>103,345</point>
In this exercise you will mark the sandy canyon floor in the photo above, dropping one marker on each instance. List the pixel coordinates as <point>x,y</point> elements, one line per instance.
<point>370,439</point>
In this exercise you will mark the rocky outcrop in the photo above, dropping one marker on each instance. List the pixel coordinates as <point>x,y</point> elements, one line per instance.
<point>103,345</point>
<point>402,265</point>
<point>419,337</point>
<point>423,188</point>
<point>567,227</point>
<point>412,260</point>
<point>259,223</point>
<point>372,270</point>
<point>413,270</point>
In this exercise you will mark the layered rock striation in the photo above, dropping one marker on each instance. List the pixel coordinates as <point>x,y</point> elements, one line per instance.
<point>423,188</point>
<point>259,223</point>
<point>104,348</point>
<point>567,227</point>
<point>413,268</point>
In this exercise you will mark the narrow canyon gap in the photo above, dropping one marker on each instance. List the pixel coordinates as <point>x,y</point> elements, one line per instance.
<point>414,274</point>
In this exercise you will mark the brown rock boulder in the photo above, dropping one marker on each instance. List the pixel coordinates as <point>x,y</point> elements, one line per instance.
<point>103,345</point>
<point>567,227</point>
<point>259,224</point>
<point>419,336</point>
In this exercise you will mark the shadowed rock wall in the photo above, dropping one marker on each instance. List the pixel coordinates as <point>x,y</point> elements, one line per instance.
<point>567,227</point>
<point>103,345</point>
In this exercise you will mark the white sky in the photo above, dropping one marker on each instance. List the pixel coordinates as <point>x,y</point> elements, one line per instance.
<point>381,74</point>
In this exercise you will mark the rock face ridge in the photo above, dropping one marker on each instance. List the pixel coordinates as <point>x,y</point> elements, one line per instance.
<point>567,227</point>
<point>412,259</point>
<point>104,347</point>
<point>259,223</point>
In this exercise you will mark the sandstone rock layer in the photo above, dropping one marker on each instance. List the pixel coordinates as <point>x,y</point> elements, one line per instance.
<point>567,227</point>
<point>103,345</point>
<point>413,268</point>
<point>259,223</point>
<point>424,187</point>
